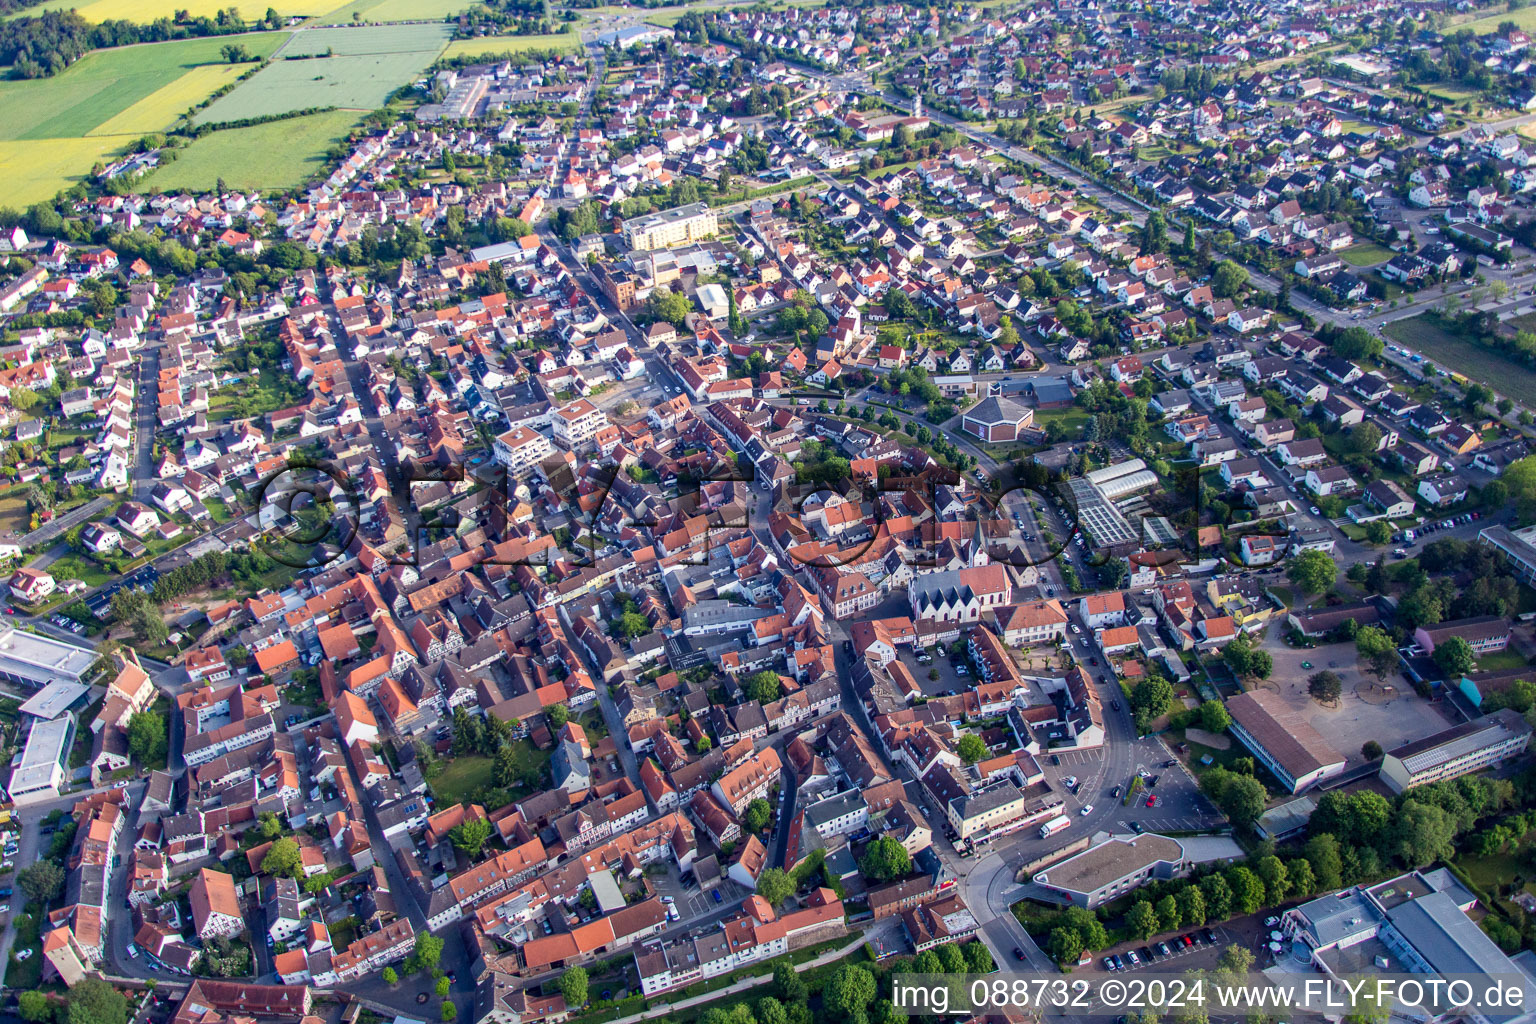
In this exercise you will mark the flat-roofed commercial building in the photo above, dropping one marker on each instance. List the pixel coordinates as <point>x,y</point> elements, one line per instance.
<point>1295,752</point>
<point>41,770</point>
<point>1112,868</point>
<point>35,661</point>
<point>54,699</point>
<point>671,227</point>
<point>1465,748</point>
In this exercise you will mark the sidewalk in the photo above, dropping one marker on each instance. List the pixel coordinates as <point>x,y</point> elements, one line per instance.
<point>828,957</point>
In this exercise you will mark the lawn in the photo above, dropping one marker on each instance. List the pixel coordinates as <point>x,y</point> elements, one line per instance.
<point>564,42</point>
<point>13,513</point>
<point>368,64</point>
<point>1366,254</point>
<point>278,154</point>
<point>460,777</point>
<point>1501,661</point>
<point>102,85</point>
<point>1072,420</point>
<point>1460,355</point>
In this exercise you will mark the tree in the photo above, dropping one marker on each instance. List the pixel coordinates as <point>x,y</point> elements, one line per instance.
<point>93,1001</point>
<point>628,625</point>
<point>1373,644</point>
<point>1150,699</point>
<point>32,1005</point>
<point>1218,897</point>
<point>1214,717</point>
<point>1235,961</point>
<point>1247,890</point>
<point>978,959</point>
<point>1168,912</point>
<point>1325,686</point>
<point>283,858</point>
<point>1299,871</point>
<point>885,859</point>
<point>390,976</point>
<point>1240,797</point>
<point>1067,946</point>
<point>1422,833</point>
<point>763,687</point>
<point>971,748</point>
<point>429,950</point>
<point>42,881</point>
<point>673,307</point>
<point>770,1011</point>
<point>558,714</point>
<point>1454,657</point>
<point>1086,924</point>
<point>442,986</point>
<point>573,986</point>
<point>1230,279</point>
<point>1141,919</point>
<point>147,737</point>
<point>1322,853</point>
<point>1191,906</point>
<point>1277,882</point>
<point>788,985</point>
<point>757,815</point>
<point>1370,750</point>
<point>1313,571</point>
<point>850,989</point>
<point>468,837</point>
<point>775,885</point>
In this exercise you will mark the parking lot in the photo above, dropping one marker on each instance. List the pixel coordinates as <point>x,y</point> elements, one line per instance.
<point>949,680</point>
<point>1202,950</point>
<point>692,902</point>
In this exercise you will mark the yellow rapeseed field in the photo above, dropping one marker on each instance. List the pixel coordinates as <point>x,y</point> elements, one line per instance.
<point>35,169</point>
<point>159,110</point>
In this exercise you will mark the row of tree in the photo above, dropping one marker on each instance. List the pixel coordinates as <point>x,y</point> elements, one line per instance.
<point>37,46</point>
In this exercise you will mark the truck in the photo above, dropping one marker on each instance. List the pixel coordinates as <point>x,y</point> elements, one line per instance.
<point>1055,825</point>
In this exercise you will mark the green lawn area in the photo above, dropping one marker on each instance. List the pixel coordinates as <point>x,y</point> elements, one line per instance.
<point>460,777</point>
<point>79,567</point>
<point>13,513</point>
<point>25,974</point>
<point>1501,661</point>
<point>1284,594</point>
<point>1366,254</point>
<point>1072,420</point>
<point>278,154</point>
<point>1426,337</point>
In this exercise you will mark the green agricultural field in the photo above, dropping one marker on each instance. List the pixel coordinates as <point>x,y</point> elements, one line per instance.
<point>368,63</point>
<point>1503,375</point>
<point>399,10</point>
<point>103,84</point>
<point>564,42</point>
<point>278,154</point>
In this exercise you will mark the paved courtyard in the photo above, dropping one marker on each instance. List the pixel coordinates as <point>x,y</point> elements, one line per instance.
<point>1366,710</point>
